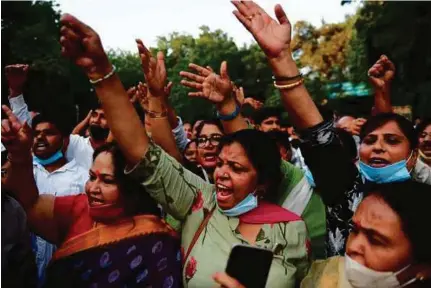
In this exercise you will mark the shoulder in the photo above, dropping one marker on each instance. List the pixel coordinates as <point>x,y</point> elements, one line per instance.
<point>72,205</point>
<point>323,273</point>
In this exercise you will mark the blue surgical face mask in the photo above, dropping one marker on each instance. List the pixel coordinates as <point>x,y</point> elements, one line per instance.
<point>57,155</point>
<point>246,205</point>
<point>395,172</point>
<point>310,178</point>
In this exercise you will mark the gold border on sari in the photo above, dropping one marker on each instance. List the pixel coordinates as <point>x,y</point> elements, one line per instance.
<point>108,234</point>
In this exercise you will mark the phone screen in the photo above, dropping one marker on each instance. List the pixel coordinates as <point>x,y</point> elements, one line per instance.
<point>249,265</point>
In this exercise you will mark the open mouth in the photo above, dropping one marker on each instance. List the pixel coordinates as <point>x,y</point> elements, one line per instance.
<point>95,201</point>
<point>378,162</point>
<point>210,157</point>
<point>41,146</point>
<point>223,192</point>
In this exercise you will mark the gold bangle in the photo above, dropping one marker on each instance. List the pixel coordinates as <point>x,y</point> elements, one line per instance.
<point>288,86</point>
<point>156,115</point>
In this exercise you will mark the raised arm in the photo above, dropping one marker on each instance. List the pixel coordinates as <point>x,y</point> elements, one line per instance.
<point>16,76</point>
<point>219,90</point>
<point>320,144</point>
<point>155,77</point>
<point>83,46</point>
<point>82,125</point>
<point>381,75</point>
<point>18,139</point>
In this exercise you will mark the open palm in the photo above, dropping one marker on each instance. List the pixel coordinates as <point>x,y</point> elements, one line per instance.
<point>215,88</point>
<point>272,36</point>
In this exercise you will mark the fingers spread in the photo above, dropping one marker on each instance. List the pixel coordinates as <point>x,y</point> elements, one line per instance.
<point>223,70</point>
<point>190,84</point>
<point>80,27</point>
<point>192,76</point>
<point>244,21</point>
<point>196,94</point>
<point>201,70</point>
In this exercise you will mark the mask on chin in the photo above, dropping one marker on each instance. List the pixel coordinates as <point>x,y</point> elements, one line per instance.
<point>98,133</point>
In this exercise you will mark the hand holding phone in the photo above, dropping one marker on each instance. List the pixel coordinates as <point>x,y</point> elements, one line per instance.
<point>249,265</point>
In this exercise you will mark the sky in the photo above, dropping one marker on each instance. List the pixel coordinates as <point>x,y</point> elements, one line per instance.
<point>119,22</point>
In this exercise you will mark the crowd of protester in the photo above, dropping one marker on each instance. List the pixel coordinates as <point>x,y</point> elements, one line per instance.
<point>135,197</point>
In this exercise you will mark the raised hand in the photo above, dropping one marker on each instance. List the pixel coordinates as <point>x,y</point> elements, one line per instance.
<point>256,104</point>
<point>16,137</point>
<point>216,88</point>
<point>154,69</point>
<point>382,72</point>
<point>16,76</point>
<point>273,37</point>
<point>356,125</point>
<point>82,45</point>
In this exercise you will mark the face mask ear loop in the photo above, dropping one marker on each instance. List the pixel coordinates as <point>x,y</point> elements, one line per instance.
<point>407,161</point>
<point>411,281</point>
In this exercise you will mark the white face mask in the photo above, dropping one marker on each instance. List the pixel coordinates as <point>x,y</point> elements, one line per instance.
<point>360,276</point>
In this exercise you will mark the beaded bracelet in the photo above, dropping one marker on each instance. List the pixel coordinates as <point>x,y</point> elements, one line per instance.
<point>156,115</point>
<point>283,78</point>
<point>107,76</point>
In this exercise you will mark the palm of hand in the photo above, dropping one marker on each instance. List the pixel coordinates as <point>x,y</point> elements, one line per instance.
<point>216,89</point>
<point>271,36</point>
<point>156,80</point>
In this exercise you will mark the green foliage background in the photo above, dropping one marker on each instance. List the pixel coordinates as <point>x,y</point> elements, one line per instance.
<point>331,53</point>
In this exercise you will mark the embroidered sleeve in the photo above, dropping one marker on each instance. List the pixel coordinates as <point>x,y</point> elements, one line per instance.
<point>169,183</point>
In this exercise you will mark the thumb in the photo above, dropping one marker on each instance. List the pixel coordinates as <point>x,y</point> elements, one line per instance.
<point>26,128</point>
<point>223,70</point>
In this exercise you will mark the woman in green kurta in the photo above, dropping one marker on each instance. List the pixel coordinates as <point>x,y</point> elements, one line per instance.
<point>189,198</point>
<point>234,210</point>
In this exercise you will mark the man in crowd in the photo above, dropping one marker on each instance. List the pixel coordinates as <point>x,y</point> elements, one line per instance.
<point>76,147</point>
<point>267,119</point>
<point>188,130</point>
<point>53,173</point>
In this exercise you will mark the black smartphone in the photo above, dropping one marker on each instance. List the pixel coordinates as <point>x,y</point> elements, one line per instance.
<point>249,265</point>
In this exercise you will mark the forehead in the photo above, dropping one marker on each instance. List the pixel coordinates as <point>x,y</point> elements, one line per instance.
<point>427,128</point>
<point>187,125</point>
<point>375,213</point>
<point>209,129</point>
<point>388,128</point>
<point>234,152</point>
<point>45,126</point>
<point>98,111</point>
<point>103,163</point>
<point>271,118</point>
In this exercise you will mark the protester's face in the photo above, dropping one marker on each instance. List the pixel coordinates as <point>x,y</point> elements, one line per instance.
<point>271,123</point>
<point>377,240</point>
<point>188,130</point>
<point>47,140</point>
<point>345,123</point>
<point>386,145</point>
<point>97,118</point>
<point>425,141</point>
<point>207,146</point>
<point>102,187</point>
<point>235,177</point>
<point>191,152</point>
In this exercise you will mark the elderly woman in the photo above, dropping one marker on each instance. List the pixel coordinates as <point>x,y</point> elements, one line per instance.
<point>108,237</point>
<point>388,149</point>
<point>214,217</point>
<point>386,248</point>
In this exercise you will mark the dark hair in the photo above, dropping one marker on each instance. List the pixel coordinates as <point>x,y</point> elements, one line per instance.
<point>422,126</point>
<point>136,199</point>
<point>348,143</point>
<point>264,113</point>
<point>379,120</point>
<point>263,154</point>
<point>410,200</point>
<point>201,125</point>
<point>61,124</point>
<point>280,138</point>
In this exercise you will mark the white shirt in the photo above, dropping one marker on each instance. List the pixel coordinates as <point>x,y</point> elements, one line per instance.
<point>80,150</point>
<point>67,180</point>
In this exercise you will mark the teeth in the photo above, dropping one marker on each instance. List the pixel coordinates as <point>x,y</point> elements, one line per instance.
<point>220,186</point>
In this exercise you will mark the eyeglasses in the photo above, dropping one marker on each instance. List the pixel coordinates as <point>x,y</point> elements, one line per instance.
<point>213,138</point>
